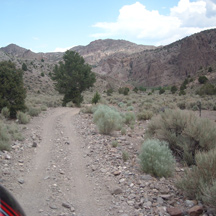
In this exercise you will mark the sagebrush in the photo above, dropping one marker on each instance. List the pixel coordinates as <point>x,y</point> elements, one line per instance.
<point>107,119</point>
<point>156,158</point>
<point>185,132</point>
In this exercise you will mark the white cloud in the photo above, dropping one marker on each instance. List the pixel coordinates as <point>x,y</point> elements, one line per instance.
<point>58,49</point>
<point>136,23</point>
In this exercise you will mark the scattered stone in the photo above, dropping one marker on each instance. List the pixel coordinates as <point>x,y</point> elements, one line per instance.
<point>116,173</point>
<point>7,157</point>
<point>166,196</point>
<point>53,206</point>
<point>66,205</point>
<point>21,181</point>
<point>189,203</point>
<point>175,211</point>
<point>117,191</point>
<point>34,144</point>
<point>195,211</point>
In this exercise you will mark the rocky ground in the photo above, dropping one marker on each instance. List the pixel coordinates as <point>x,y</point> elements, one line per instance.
<point>65,167</point>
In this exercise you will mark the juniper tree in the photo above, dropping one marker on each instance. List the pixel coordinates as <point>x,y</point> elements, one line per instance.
<point>73,76</point>
<point>12,91</point>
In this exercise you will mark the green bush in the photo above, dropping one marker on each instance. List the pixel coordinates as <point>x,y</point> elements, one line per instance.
<point>202,79</point>
<point>129,118</point>
<point>5,112</point>
<point>199,182</point>
<point>185,132</point>
<point>161,91</point>
<point>13,130</point>
<point>96,98</point>
<point>123,90</point>
<point>145,115</point>
<point>34,111</point>
<point>5,138</point>
<point>156,158</point>
<point>174,89</point>
<point>23,118</point>
<point>207,89</point>
<point>125,156</point>
<point>107,119</point>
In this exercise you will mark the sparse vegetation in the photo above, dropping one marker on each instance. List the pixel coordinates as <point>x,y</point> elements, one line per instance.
<point>184,132</point>
<point>199,181</point>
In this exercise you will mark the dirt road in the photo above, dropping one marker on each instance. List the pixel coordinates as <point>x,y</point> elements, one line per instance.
<point>57,182</point>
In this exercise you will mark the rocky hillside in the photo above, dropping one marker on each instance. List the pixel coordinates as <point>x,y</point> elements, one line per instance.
<point>101,49</point>
<point>166,65</point>
<point>132,63</point>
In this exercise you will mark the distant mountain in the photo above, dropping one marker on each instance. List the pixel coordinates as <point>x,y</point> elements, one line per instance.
<point>128,62</point>
<point>100,49</point>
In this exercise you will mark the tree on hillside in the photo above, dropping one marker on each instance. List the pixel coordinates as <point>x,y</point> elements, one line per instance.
<point>73,77</point>
<point>12,91</point>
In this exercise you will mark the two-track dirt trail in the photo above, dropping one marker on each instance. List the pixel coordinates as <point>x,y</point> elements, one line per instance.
<point>58,181</point>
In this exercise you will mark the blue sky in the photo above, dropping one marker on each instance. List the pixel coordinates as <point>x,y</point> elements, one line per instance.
<point>55,25</point>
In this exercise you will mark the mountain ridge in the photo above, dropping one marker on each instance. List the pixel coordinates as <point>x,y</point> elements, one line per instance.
<point>136,64</point>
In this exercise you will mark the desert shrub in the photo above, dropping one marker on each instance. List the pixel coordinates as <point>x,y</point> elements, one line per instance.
<point>34,111</point>
<point>23,118</point>
<point>161,91</point>
<point>125,156</point>
<point>199,182</point>
<point>156,158</point>
<point>182,92</point>
<point>145,115</point>
<point>43,108</point>
<point>114,144</point>
<point>185,132</point>
<point>123,90</point>
<point>130,108</point>
<point>5,112</point>
<point>123,131</point>
<point>202,79</point>
<point>110,91</point>
<point>173,89</point>
<point>70,104</point>
<point>96,98</point>
<point>13,130</point>
<point>129,118</point>
<point>181,105</point>
<point>207,89</point>
<point>107,119</point>
<point>5,138</point>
